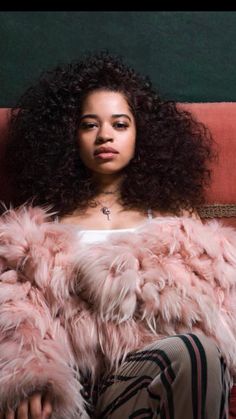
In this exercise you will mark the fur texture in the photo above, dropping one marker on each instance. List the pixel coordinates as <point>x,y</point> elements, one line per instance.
<point>68,308</point>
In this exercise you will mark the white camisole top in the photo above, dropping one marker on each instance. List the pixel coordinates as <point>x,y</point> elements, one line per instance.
<point>95,236</point>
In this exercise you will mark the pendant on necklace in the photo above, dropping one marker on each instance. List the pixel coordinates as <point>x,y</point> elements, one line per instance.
<point>106,211</point>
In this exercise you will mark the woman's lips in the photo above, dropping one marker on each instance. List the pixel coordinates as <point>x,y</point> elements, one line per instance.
<point>106,156</point>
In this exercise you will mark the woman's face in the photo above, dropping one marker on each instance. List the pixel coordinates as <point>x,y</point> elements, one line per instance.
<point>107,132</point>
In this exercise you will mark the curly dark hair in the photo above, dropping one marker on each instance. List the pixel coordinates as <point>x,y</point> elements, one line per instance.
<point>168,172</point>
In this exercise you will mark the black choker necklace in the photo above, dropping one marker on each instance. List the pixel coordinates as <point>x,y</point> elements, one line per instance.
<point>108,192</point>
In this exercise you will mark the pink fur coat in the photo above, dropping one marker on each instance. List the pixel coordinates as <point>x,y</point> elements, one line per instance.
<point>67,307</point>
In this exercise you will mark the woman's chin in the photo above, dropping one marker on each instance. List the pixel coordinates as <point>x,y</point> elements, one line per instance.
<point>105,170</point>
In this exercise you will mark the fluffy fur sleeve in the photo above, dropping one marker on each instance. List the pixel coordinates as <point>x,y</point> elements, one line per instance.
<point>169,277</point>
<point>35,352</point>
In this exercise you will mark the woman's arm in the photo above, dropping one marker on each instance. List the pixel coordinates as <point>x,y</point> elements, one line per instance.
<point>35,356</point>
<point>35,353</point>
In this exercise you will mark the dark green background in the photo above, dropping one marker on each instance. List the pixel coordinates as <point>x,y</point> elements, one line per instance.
<point>190,56</point>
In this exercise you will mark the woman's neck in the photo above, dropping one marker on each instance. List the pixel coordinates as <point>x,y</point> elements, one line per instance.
<point>108,184</point>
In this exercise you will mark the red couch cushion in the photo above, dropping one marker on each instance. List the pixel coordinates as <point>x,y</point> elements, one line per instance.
<point>220,118</point>
<point>5,192</point>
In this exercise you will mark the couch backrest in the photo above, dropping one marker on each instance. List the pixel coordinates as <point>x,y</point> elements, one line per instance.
<point>221,120</point>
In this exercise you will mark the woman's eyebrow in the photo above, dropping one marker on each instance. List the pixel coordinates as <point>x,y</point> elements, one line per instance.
<point>94,116</point>
<point>121,115</point>
<point>89,115</point>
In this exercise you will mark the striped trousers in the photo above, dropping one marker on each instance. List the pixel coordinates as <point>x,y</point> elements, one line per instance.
<point>178,377</point>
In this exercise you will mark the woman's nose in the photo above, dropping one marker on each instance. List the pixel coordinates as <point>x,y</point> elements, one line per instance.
<point>104,134</point>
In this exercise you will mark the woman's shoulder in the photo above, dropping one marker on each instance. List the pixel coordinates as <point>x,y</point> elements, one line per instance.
<point>190,214</point>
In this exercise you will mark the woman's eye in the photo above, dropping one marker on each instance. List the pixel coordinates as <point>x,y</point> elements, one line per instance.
<point>121,125</point>
<point>87,125</point>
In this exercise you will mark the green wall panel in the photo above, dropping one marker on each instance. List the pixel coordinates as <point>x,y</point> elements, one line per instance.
<point>190,56</point>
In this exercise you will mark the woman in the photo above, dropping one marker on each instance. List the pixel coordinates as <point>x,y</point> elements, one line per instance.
<point>120,296</point>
